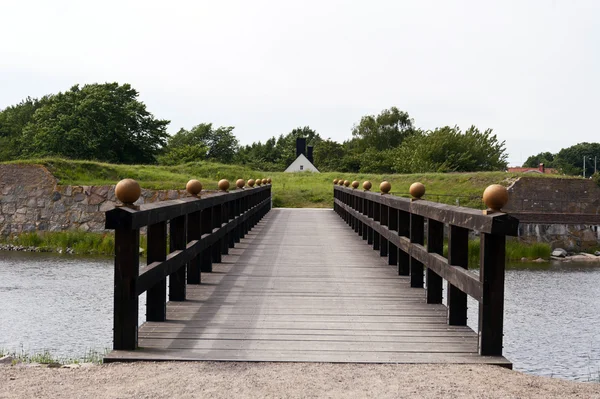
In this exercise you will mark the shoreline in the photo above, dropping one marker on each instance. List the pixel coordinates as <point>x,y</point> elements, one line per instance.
<point>294,380</point>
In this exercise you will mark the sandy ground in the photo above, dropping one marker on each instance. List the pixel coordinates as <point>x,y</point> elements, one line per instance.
<point>283,380</point>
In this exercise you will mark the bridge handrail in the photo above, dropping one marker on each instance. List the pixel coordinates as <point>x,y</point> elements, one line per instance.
<point>396,226</point>
<point>200,230</point>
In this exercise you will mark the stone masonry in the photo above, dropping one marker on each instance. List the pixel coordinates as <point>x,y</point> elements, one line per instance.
<point>32,200</point>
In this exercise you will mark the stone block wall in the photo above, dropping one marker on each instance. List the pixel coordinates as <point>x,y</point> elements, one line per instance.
<point>32,200</point>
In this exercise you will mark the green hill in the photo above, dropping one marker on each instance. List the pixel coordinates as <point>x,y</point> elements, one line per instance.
<point>289,189</point>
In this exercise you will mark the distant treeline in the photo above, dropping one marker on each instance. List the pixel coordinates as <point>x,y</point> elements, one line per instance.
<point>107,122</point>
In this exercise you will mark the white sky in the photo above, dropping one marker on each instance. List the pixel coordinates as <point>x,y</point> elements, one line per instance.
<point>528,69</point>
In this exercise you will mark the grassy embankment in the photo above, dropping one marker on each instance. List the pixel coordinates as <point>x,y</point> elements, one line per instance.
<point>294,190</point>
<point>45,357</point>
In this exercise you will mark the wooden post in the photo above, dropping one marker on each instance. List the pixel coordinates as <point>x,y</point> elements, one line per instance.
<point>458,255</point>
<point>127,266</point>
<point>393,227</point>
<point>224,219</point>
<point>178,241</point>
<point>435,244</point>
<point>156,297</point>
<point>403,231</point>
<point>194,233</point>
<point>491,307</point>
<point>416,237</point>
<point>230,206</point>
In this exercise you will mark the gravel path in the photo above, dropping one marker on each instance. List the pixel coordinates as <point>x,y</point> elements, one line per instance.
<point>275,380</point>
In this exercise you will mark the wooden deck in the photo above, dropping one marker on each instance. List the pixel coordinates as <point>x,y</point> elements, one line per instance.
<point>303,287</point>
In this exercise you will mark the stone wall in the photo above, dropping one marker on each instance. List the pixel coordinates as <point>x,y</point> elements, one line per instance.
<point>555,195</point>
<point>32,200</point>
<point>530,194</point>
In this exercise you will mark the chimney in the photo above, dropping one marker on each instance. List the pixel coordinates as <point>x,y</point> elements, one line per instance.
<point>541,168</point>
<point>309,153</point>
<point>300,147</point>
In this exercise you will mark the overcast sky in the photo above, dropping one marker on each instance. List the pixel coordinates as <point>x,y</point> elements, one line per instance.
<point>530,70</point>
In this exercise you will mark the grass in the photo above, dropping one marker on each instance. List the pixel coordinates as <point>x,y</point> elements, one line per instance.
<point>80,242</point>
<point>515,251</point>
<point>46,357</point>
<point>291,190</point>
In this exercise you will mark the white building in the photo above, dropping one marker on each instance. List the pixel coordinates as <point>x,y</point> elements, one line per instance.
<point>302,164</point>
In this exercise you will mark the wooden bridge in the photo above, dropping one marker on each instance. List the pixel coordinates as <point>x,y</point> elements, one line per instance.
<point>251,283</point>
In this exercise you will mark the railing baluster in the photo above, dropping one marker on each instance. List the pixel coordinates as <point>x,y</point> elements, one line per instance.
<point>156,298</point>
<point>365,211</point>
<point>178,241</point>
<point>206,228</point>
<point>127,265</point>
<point>416,237</point>
<point>435,244</point>
<point>393,227</point>
<point>383,243</point>
<point>216,247</point>
<point>377,218</point>
<point>403,231</point>
<point>458,255</point>
<point>491,308</point>
<point>193,231</point>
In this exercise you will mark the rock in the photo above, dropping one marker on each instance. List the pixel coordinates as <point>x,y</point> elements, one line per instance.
<point>54,365</point>
<point>71,366</point>
<point>524,259</point>
<point>539,260</point>
<point>6,359</point>
<point>597,253</point>
<point>56,196</point>
<point>559,253</point>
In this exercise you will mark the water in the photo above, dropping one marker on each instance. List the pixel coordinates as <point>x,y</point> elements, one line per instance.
<point>63,304</point>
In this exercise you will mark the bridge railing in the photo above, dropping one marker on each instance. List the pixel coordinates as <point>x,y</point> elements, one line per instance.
<point>398,228</point>
<point>198,230</point>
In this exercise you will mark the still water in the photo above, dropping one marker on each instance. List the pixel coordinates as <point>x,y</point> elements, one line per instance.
<point>63,303</point>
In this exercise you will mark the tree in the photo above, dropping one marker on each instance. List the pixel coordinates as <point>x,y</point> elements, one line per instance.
<point>534,161</point>
<point>13,120</point>
<point>384,131</point>
<point>199,143</point>
<point>570,160</point>
<point>103,122</point>
<point>328,156</point>
<point>449,150</point>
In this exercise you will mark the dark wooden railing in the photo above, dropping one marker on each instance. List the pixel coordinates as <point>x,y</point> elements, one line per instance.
<point>396,228</point>
<point>200,230</point>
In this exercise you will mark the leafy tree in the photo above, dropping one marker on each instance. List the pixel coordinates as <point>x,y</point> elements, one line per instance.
<point>449,150</point>
<point>534,161</point>
<point>328,156</point>
<point>384,131</point>
<point>570,160</point>
<point>104,122</point>
<point>12,121</point>
<point>201,142</point>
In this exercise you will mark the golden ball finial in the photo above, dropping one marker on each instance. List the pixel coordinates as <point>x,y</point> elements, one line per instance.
<point>347,183</point>
<point>355,184</point>
<point>223,184</point>
<point>193,187</point>
<point>341,182</point>
<point>258,182</point>
<point>335,181</point>
<point>367,185</point>
<point>251,182</point>
<point>240,183</point>
<point>417,190</point>
<point>385,187</point>
<point>269,180</point>
<point>128,191</point>
<point>495,197</point>
<point>264,181</point>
